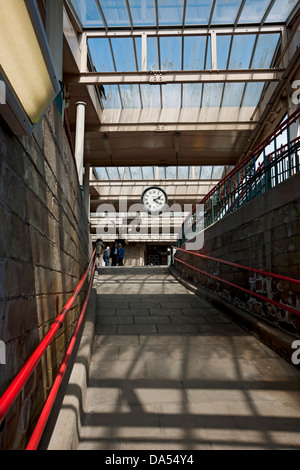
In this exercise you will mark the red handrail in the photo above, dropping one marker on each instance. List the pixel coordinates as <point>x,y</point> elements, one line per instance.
<point>259,271</point>
<point>12,392</point>
<point>266,299</point>
<point>40,426</point>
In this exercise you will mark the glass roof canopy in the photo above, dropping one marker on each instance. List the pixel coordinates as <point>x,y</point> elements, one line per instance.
<point>180,13</point>
<point>185,52</point>
<point>160,173</point>
<point>177,36</point>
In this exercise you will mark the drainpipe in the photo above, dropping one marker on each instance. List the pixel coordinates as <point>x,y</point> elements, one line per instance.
<point>79,141</point>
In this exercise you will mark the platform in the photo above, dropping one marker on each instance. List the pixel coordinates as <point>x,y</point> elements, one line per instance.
<point>168,371</point>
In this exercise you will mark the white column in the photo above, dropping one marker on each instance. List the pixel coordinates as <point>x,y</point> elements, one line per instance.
<point>79,141</point>
<point>87,189</point>
<point>144,52</point>
<point>213,45</point>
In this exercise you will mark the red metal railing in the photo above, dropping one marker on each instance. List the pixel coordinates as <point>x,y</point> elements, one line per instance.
<point>247,180</point>
<point>247,268</point>
<point>12,392</point>
<point>253,154</point>
<point>40,426</point>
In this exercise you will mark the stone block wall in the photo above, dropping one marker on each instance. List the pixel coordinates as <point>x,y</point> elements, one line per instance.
<point>44,251</point>
<point>263,234</point>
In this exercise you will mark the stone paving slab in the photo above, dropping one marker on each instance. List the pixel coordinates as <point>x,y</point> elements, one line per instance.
<point>170,372</point>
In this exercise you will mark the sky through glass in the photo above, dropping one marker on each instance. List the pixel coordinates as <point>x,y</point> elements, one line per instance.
<point>180,52</point>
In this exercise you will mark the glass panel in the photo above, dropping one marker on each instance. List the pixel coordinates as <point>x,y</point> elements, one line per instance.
<point>130,96</point>
<point>148,173</point>
<point>128,175</point>
<point>171,172</point>
<point>143,12</point>
<point>198,12</point>
<point>123,51</point>
<point>217,172</point>
<point>170,52</point>
<point>208,55</point>
<point>253,11</point>
<point>101,172</point>
<point>192,95</point>
<point>206,172</point>
<point>170,12</point>
<point>233,93</point>
<point>150,96</point>
<point>197,171</point>
<point>136,173</point>
<point>162,173</point>
<point>101,54</point>
<point>115,13</point>
<point>223,45</point>
<point>112,97</point>
<point>194,52</point>
<point>264,52</point>
<point>138,47</point>
<point>88,13</point>
<point>212,93</point>
<point>152,54</point>
<point>113,173</point>
<point>281,11</point>
<point>241,51</point>
<point>252,93</point>
<point>183,172</point>
<point>171,96</point>
<point>226,11</point>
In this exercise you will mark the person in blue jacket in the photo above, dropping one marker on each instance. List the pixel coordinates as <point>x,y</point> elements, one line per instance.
<point>106,256</point>
<point>121,255</point>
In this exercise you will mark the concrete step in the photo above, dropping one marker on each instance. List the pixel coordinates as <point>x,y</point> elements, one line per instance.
<point>134,270</point>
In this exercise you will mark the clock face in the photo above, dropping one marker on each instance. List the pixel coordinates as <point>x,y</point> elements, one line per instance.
<point>154,200</point>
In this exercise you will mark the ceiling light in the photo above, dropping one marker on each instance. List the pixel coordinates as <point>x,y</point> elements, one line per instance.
<point>26,65</point>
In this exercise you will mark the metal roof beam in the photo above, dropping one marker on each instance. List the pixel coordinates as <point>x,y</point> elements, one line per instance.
<point>227,30</point>
<point>163,77</point>
<point>174,127</point>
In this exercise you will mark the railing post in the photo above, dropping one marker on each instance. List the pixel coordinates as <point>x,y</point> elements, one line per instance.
<point>238,187</point>
<point>267,171</point>
<point>297,160</point>
<point>276,167</point>
<point>289,149</point>
<point>246,181</point>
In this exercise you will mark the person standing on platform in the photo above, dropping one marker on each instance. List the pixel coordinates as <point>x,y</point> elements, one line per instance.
<point>114,255</point>
<point>99,248</point>
<point>121,255</point>
<point>106,256</point>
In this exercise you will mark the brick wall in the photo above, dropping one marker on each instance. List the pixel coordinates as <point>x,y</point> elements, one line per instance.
<point>263,234</point>
<point>44,250</point>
